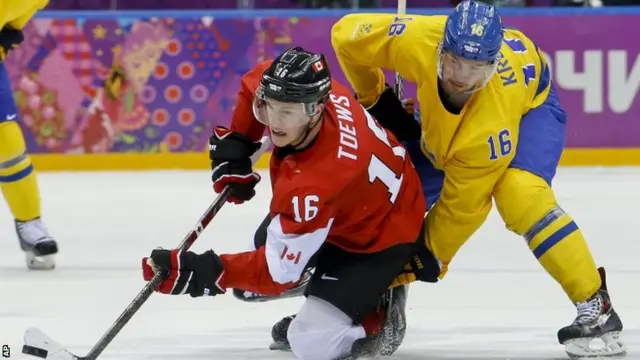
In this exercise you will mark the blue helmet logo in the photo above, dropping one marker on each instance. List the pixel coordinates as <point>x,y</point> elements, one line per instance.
<point>473,31</point>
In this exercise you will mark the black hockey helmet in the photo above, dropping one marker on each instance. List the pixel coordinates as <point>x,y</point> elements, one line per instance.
<point>296,76</point>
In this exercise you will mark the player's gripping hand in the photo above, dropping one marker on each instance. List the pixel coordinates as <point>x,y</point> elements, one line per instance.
<point>393,116</point>
<point>422,267</point>
<point>9,39</point>
<point>187,272</point>
<point>230,153</point>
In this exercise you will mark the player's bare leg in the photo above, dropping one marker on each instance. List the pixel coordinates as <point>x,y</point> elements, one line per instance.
<point>596,320</point>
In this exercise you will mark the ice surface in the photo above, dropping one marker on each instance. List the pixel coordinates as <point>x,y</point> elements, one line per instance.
<point>496,302</point>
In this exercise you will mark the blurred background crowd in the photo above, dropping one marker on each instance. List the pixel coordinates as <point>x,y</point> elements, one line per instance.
<point>279,4</point>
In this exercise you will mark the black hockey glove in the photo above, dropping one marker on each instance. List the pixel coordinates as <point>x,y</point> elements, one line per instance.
<point>392,115</point>
<point>230,153</point>
<point>423,265</point>
<point>187,272</point>
<point>9,39</point>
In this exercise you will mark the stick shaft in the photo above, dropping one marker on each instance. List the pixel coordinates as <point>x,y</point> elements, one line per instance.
<point>402,7</point>
<point>399,88</point>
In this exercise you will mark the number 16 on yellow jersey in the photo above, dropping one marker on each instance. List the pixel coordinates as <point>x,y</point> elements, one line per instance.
<point>500,145</point>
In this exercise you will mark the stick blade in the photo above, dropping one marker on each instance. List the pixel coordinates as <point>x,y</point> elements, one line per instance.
<point>38,344</point>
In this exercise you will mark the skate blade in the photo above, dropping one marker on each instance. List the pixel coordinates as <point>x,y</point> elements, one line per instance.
<point>610,347</point>
<point>44,262</point>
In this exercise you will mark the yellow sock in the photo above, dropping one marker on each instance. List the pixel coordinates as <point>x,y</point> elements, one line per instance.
<point>17,175</point>
<point>529,208</point>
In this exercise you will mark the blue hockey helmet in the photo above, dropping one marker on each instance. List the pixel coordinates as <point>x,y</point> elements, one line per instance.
<point>473,33</point>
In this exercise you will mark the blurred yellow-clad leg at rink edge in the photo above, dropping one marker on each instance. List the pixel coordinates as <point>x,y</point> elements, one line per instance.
<point>20,186</point>
<point>17,174</point>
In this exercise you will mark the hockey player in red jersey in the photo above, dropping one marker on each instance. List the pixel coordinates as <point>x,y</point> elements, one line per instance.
<point>346,200</point>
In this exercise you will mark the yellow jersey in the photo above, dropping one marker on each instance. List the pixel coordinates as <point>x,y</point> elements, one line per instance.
<point>16,13</point>
<point>473,148</point>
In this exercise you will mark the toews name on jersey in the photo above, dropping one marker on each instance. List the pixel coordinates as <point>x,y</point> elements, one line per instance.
<point>348,132</point>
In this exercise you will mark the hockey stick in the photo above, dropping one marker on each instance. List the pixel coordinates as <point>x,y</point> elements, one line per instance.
<point>402,10</point>
<point>40,345</point>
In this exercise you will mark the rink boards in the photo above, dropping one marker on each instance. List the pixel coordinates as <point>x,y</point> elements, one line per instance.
<point>177,74</point>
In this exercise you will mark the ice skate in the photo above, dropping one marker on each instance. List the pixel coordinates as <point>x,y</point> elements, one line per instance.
<point>39,247</point>
<point>596,320</point>
<point>279,334</point>
<point>389,339</point>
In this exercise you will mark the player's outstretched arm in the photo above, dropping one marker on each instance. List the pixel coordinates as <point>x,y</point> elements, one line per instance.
<point>293,237</point>
<point>367,43</point>
<point>210,274</point>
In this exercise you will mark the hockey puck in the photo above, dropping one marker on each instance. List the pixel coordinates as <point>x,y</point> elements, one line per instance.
<point>32,350</point>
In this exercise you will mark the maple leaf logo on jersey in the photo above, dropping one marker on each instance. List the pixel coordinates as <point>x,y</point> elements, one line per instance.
<point>294,257</point>
<point>317,66</point>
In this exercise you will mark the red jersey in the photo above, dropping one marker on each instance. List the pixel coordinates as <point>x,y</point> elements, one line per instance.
<point>353,187</point>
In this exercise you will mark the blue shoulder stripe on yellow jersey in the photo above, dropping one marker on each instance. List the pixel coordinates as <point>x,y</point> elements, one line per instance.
<point>526,55</point>
<point>545,76</point>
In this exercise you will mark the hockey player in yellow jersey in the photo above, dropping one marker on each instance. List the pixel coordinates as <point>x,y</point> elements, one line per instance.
<point>491,128</point>
<point>17,175</point>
